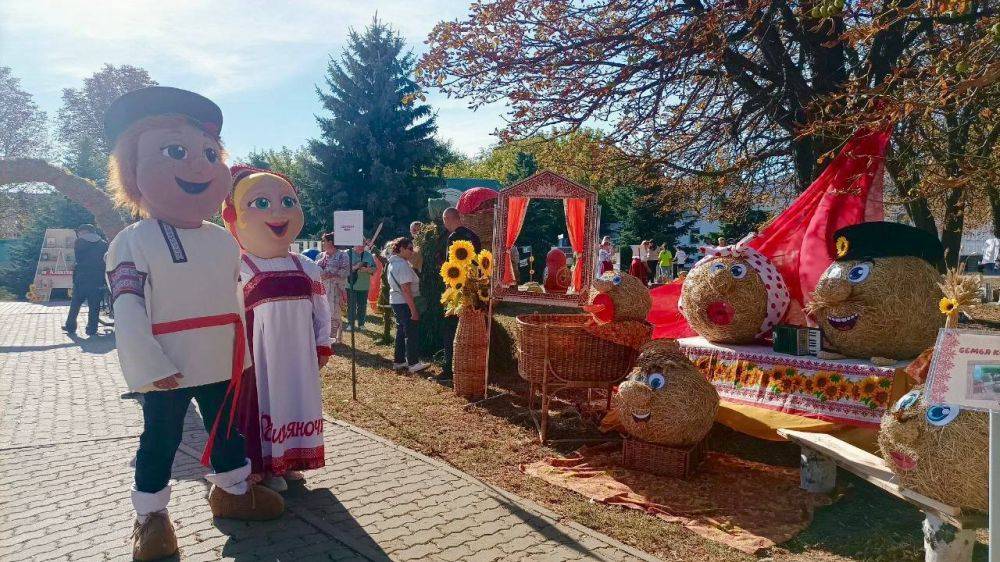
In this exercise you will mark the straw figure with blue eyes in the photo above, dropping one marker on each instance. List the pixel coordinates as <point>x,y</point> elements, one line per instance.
<point>734,295</point>
<point>666,399</point>
<point>879,299</point>
<point>938,450</point>
<point>288,325</point>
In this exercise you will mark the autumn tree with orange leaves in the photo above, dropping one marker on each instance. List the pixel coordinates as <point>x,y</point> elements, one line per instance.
<point>744,97</point>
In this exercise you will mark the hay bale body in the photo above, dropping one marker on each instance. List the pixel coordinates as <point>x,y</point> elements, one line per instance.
<point>893,312</point>
<point>678,413</point>
<point>721,307</point>
<point>948,463</point>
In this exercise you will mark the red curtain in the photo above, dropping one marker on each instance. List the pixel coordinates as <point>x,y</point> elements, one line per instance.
<point>516,208</point>
<point>576,216</point>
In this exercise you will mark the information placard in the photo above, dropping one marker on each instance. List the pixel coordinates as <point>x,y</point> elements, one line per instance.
<point>348,228</point>
<point>965,370</point>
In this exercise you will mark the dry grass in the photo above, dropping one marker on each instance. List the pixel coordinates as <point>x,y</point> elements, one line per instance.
<point>491,441</point>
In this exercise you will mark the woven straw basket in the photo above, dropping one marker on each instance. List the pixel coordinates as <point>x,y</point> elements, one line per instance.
<point>470,355</point>
<point>481,222</point>
<point>573,354</point>
<point>673,462</point>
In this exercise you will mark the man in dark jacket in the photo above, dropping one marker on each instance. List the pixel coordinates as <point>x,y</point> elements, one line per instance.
<point>88,277</point>
<point>453,224</point>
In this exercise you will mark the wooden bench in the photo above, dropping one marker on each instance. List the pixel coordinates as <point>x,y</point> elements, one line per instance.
<point>949,534</point>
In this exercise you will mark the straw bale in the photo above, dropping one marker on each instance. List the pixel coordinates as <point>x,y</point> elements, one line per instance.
<point>706,287</point>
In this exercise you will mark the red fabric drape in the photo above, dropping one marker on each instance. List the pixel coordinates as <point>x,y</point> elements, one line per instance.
<point>576,214</point>
<point>849,191</point>
<point>799,241</point>
<point>516,208</point>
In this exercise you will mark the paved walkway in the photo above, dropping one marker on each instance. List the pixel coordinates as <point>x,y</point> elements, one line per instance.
<point>66,441</point>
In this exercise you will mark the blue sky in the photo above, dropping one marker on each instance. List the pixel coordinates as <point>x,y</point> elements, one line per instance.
<point>260,61</point>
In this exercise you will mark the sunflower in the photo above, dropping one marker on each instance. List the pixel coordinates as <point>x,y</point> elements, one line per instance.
<point>486,262</point>
<point>880,397</point>
<point>453,273</point>
<point>868,386</point>
<point>844,389</point>
<point>449,294</point>
<point>830,392</point>
<point>947,305</point>
<point>821,381</point>
<point>843,245</point>
<point>461,252</point>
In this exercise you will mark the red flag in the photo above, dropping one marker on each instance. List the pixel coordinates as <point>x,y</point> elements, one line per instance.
<point>799,242</point>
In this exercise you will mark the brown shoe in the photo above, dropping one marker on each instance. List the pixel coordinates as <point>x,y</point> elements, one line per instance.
<point>258,504</point>
<point>154,539</point>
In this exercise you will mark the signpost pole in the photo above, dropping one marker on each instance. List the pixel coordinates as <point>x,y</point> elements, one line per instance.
<point>351,279</point>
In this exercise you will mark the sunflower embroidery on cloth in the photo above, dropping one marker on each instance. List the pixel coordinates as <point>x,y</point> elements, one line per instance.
<point>778,297</point>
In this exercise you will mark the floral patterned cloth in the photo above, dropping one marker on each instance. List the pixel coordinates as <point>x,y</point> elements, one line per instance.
<point>844,392</point>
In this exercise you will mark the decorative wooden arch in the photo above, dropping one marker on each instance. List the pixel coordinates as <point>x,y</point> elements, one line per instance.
<point>545,185</point>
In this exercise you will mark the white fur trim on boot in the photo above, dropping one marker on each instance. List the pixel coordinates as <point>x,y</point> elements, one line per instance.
<point>234,481</point>
<point>146,503</point>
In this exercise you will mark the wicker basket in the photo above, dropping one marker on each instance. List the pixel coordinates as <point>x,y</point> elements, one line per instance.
<point>470,355</point>
<point>674,462</point>
<point>573,353</point>
<point>481,222</point>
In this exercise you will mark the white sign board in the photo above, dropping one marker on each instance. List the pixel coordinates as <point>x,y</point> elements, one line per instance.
<point>348,228</point>
<point>965,370</point>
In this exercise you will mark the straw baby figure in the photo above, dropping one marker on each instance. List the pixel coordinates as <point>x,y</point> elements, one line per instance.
<point>288,324</point>
<point>179,324</point>
<point>938,450</point>
<point>879,299</point>
<point>618,305</point>
<point>666,400</point>
<point>734,295</point>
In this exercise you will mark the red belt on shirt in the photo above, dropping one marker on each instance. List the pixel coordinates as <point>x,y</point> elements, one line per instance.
<point>239,344</point>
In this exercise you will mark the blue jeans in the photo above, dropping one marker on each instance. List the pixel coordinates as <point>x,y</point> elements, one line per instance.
<point>163,413</point>
<point>407,340</point>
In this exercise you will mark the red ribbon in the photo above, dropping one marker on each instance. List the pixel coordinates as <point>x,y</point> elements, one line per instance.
<point>233,392</point>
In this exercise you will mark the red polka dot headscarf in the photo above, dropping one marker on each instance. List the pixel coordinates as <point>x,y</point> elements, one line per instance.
<point>778,297</point>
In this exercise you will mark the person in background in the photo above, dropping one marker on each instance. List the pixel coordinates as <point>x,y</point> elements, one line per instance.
<point>336,268</point>
<point>605,256</point>
<point>990,264</point>
<point>723,242</point>
<point>665,270</point>
<point>357,288</point>
<point>638,268</point>
<point>88,278</point>
<point>680,259</point>
<point>417,261</point>
<point>649,257</point>
<point>404,287</point>
<point>453,224</point>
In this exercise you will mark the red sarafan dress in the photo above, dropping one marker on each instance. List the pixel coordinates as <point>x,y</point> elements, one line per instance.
<point>288,326</point>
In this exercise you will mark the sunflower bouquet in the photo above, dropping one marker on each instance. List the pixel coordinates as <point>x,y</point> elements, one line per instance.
<point>466,276</point>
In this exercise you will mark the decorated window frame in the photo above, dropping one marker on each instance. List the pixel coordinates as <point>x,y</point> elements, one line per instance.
<point>545,185</point>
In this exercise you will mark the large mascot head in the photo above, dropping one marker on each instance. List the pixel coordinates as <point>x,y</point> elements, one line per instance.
<point>263,211</point>
<point>167,161</point>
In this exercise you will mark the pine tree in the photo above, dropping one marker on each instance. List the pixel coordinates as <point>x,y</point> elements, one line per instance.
<point>377,150</point>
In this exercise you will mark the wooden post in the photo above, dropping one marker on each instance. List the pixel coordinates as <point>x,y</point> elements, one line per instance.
<point>818,473</point>
<point>943,542</point>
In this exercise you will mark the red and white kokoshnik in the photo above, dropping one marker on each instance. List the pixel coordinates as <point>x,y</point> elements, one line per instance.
<point>777,292</point>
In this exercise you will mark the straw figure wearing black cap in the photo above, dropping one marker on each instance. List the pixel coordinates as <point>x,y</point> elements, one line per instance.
<point>879,299</point>
<point>179,324</point>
